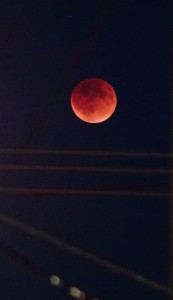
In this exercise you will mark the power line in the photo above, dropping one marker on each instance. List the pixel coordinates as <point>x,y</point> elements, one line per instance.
<point>40,271</point>
<point>44,168</point>
<point>81,192</point>
<point>139,186</point>
<point>105,264</point>
<point>21,151</point>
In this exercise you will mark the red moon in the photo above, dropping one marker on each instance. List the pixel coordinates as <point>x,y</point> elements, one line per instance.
<point>93,100</point>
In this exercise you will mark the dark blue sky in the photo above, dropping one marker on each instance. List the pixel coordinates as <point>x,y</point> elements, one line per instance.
<point>47,47</point>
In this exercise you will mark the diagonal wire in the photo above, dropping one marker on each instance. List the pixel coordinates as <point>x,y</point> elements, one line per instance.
<point>23,260</point>
<point>103,263</point>
<point>32,266</point>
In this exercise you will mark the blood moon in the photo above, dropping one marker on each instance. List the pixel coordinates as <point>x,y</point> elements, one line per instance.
<point>93,100</point>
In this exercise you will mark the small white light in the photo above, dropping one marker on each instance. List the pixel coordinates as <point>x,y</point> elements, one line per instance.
<point>76,293</point>
<point>55,280</point>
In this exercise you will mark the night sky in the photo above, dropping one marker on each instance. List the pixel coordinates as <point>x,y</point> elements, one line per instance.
<point>46,49</point>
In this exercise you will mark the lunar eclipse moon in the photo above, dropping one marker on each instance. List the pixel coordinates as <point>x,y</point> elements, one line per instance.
<point>93,100</point>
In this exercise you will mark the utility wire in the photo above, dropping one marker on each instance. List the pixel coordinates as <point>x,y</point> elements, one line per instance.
<point>103,263</point>
<point>44,168</point>
<point>35,268</point>
<point>21,151</point>
<point>139,186</point>
<point>23,260</point>
<point>81,192</point>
